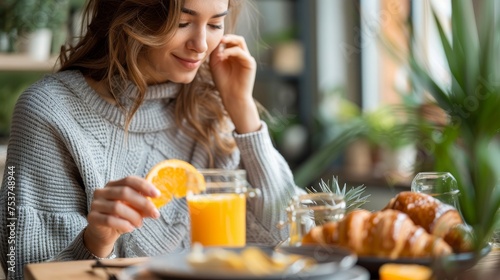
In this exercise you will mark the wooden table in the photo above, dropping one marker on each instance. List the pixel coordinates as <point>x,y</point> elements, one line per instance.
<point>486,268</point>
<point>75,270</point>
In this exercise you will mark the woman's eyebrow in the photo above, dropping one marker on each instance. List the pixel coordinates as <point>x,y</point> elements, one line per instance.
<point>195,13</point>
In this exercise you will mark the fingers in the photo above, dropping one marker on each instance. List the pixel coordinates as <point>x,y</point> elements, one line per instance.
<point>233,46</point>
<point>128,197</point>
<point>122,205</point>
<point>138,184</point>
<point>118,209</point>
<point>119,225</point>
<point>246,59</point>
<point>230,40</point>
<point>235,51</point>
<point>131,191</point>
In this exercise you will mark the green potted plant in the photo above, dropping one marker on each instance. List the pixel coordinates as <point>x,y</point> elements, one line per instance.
<point>31,15</point>
<point>37,20</point>
<point>388,131</point>
<point>468,145</point>
<point>392,134</point>
<point>340,124</point>
<point>7,25</point>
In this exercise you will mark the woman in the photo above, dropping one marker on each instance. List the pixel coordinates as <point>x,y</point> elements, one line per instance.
<point>150,80</point>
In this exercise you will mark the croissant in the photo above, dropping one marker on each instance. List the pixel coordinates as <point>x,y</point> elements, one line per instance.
<point>389,233</point>
<point>437,218</point>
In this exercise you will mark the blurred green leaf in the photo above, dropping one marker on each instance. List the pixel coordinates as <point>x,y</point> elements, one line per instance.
<point>319,162</point>
<point>468,147</point>
<point>12,84</point>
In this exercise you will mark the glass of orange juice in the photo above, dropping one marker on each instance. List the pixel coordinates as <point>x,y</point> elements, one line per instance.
<point>218,213</point>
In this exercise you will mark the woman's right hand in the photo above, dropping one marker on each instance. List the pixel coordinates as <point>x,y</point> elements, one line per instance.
<point>118,208</point>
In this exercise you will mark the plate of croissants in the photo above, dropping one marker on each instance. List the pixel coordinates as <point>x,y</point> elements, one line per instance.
<point>251,263</point>
<point>412,228</point>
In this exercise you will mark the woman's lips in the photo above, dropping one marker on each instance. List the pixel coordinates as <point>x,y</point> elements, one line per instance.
<point>188,63</point>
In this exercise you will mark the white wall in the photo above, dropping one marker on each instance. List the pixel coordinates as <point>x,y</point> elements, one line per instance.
<point>332,70</point>
<point>370,61</point>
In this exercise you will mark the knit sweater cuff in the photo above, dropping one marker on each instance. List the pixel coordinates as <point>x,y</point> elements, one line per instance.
<point>252,140</point>
<point>78,251</point>
<point>85,251</point>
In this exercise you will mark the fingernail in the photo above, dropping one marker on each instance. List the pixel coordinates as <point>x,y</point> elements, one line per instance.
<point>156,214</point>
<point>155,192</point>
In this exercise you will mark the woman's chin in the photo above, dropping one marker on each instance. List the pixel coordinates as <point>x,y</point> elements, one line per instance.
<point>183,80</point>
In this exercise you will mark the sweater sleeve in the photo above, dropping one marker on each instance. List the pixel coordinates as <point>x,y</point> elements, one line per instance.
<point>77,251</point>
<point>268,171</point>
<point>49,202</point>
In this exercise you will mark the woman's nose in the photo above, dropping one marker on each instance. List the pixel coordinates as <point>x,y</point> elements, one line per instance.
<point>198,41</point>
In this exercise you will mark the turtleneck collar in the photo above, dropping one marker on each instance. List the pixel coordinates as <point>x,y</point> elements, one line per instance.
<point>154,114</point>
<point>153,92</point>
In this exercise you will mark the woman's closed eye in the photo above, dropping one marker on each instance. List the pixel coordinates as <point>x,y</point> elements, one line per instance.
<point>214,26</point>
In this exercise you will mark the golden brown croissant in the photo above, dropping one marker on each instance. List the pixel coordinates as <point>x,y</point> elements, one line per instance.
<point>437,218</point>
<point>388,233</point>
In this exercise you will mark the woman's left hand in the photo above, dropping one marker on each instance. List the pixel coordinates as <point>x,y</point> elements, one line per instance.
<point>234,69</point>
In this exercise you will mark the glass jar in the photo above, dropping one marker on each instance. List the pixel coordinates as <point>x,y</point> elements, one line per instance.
<point>440,185</point>
<point>218,212</point>
<point>314,209</point>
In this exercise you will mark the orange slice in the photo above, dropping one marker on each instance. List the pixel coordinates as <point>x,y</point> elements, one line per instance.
<point>394,271</point>
<point>174,178</point>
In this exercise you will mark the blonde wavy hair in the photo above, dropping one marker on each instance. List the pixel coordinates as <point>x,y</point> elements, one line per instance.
<point>112,26</point>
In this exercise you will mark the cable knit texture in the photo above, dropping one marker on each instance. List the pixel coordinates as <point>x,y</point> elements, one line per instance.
<point>66,142</point>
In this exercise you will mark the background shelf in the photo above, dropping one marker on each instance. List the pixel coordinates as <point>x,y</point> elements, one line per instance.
<point>22,62</point>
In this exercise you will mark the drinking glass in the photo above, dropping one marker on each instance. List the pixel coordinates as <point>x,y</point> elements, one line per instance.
<point>440,185</point>
<point>218,213</point>
<point>314,209</point>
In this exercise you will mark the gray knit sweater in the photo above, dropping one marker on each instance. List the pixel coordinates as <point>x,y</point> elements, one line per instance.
<point>66,142</point>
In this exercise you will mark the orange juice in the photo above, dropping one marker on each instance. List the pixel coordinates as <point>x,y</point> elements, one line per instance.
<point>218,219</point>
